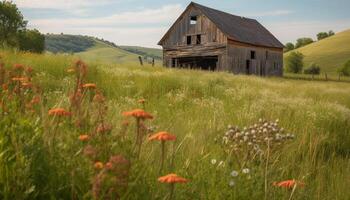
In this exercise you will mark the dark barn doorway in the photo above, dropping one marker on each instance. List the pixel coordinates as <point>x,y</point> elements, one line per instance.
<point>202,62</point>
<point>248,67</point>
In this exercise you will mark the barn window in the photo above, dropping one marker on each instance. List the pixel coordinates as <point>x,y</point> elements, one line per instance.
<point>252,55</point>
<point>198,40</point>
<point>193,20</point>
<point>189,40</point>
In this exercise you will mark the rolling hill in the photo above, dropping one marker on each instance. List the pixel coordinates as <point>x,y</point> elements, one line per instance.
<point>329,53</point>
<point>94,49</point>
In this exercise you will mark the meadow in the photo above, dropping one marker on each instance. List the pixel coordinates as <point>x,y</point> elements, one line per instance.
<point>95,149</point>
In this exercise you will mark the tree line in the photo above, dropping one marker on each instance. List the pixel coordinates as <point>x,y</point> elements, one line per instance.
<point>14,32</point>
<point>306,41</point>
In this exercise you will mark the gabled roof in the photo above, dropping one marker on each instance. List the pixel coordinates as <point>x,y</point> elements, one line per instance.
<point>238,28</point>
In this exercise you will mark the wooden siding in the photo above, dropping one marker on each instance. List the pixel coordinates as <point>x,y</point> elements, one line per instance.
<point>210,34</point>
<point>268,61</point>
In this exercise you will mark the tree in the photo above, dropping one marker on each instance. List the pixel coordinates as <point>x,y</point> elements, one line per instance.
<point>303,42</point>
<point>31,40</point>
<point>330,33</point>
<point>322,35</point>
<point>312,69</point>
<point>289,47</point>
<point>11,22</point>
<point>294,62</point>
<point>345,69</point>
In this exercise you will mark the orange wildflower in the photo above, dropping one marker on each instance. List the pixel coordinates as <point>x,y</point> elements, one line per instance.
<point>35,100</point>
<point>172,178</point>
<point>138,113</point>
<point>162,136</point>
<point>142,101</point>
<point>288,183</point>
<point>98,165</point>
<point>89,85</point>
<point>70,70</point>
<point>21,79</point>
<point>27,84</point>
<point>18,66</point>
<point>109,165</point>
<point>84,138</point>
<point>59,112</point>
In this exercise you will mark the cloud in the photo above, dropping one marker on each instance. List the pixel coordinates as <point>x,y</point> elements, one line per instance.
<point>141,27</point>
<point>290,31</point>
<point>59,4</point>
<point>271,13</point>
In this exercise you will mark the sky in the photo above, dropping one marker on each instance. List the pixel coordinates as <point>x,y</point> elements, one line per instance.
<point>143,23</point>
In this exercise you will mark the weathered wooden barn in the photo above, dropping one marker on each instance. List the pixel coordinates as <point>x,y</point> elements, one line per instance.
<point>205,38</point>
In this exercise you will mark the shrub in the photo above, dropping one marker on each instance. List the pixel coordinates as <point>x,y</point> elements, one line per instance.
<point>31,40</point>
<point>294,62</point>
<point>313,69</point>
<point>345,69</point>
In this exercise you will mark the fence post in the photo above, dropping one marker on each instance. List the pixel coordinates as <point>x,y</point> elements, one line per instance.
<point>140,59</point>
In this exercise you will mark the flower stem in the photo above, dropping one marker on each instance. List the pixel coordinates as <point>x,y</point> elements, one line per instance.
<point>163,157</point>
<point>172,188</point>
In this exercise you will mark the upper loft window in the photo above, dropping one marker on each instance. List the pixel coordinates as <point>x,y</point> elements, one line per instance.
<point>193,20</point>
<point>252,55</point>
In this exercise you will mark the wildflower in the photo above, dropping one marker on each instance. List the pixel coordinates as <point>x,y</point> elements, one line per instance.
<point>98,165</point>
<point>109,165</point>
<point>231,183</point>
<point>35,100</point>
<point>213,161</point>
<point>288,184</point>
<point>20,79</point>
<point>163,137</point>
<point>234,173</point>
<point>172,179</point>
<point>18,66</point>
<point>245,171</point>
<point>89,86</point>
<point>70,70</point>
<point>142,101</point>
<point>59,112</point>
<point>84,138</point>
<point>138,113</point>
<point>27,84</point>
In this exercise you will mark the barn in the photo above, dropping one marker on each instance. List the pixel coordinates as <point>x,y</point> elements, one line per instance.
<point>209,39</point>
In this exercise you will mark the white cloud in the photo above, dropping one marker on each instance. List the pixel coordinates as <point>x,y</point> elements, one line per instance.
<point>142,27</point>
<point>272,13</point>
<point>59,4</point>
<point>290,31</point>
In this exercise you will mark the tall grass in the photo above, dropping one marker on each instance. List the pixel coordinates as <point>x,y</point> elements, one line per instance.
<point>195,106</point>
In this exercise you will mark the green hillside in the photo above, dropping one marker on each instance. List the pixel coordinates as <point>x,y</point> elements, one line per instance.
<point>151,52</point>
<point>329,53</point>
<point>98,50</point>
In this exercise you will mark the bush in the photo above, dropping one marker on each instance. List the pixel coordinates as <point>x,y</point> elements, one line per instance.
<point>303,42</point>
<point>345,69</point>
<point>294,62</point>
<point>31,40</point>
<point>313,69</point>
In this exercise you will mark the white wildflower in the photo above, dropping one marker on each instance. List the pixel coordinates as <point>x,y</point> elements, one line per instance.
<point>213,161</point>
<point>234,173</point>
<point>245,171</point>
<point>231,183</point>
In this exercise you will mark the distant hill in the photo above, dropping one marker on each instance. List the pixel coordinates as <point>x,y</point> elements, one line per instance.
<point>94,49</point>
<point>329,53</point>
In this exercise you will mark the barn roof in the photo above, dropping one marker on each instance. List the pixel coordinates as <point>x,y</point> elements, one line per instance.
<point>238,28</point>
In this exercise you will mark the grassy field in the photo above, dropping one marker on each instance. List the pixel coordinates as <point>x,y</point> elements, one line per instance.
<point>330,53</point>
<point>42,157</point>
